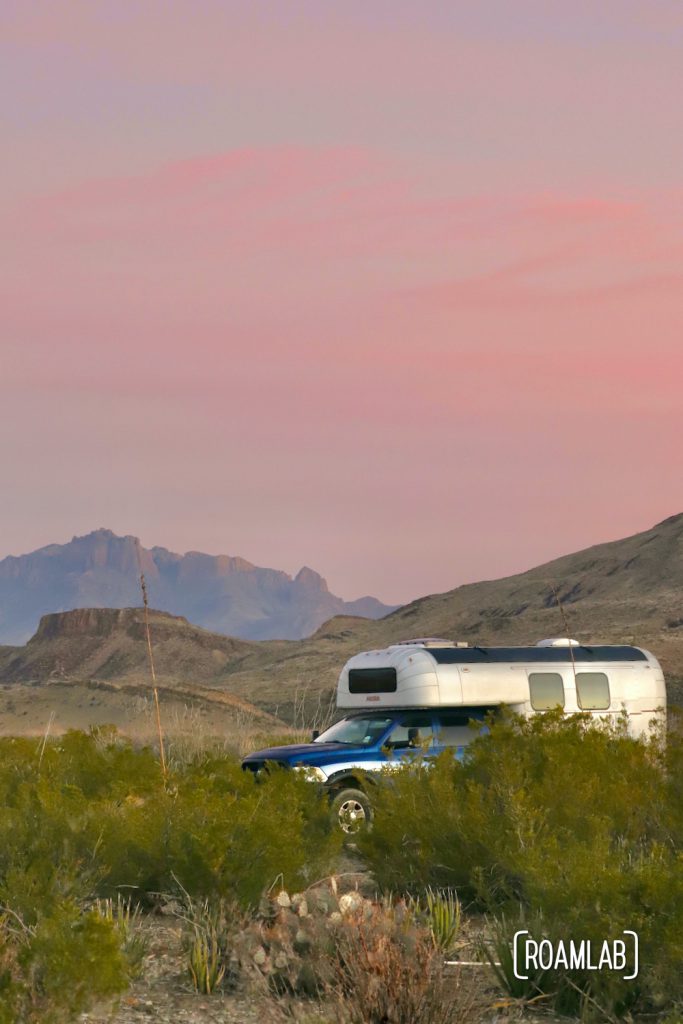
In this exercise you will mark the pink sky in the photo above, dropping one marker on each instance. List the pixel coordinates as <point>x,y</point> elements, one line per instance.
<point>392,290</point>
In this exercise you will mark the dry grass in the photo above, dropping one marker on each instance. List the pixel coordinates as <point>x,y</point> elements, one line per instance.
<point>189,735</point>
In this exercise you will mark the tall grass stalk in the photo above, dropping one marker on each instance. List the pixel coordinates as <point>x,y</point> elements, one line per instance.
<point>150,653</point>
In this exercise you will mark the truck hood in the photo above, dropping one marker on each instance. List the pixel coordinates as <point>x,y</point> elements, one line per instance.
<point>320,754</point>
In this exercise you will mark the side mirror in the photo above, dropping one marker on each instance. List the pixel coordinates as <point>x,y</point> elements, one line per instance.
<point>314,735</point>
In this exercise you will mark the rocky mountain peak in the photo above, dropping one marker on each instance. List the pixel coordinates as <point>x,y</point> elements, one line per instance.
<point>310,579</point>
<point>222,593</point>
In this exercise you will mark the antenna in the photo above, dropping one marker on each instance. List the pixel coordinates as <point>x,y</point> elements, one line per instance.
<point>145,604</point>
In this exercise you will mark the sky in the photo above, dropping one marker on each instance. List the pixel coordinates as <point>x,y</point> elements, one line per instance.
<point>394,290</point>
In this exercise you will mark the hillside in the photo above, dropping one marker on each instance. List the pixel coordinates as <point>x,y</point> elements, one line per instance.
<point>90,667</point>
<point>628,590</point>
<point>222,593</point>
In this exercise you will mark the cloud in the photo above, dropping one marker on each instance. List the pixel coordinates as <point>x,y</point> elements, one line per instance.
<point>336,254</point>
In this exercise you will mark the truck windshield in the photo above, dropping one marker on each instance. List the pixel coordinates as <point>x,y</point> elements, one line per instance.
<point>360,731</point>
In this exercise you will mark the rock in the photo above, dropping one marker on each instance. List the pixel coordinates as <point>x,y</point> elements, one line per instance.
<point>282,899</point>
<point>171,908</point>
<point>300,904</point>
<point>323,904</point>
<point>266,910</point>
<point>302,942</point>
<point>350,902</point>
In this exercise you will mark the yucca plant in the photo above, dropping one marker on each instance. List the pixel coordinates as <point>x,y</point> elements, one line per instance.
<point>441,912</point>
<point>498,952</point>
<point>205,960</point>
<point>444,913</point>
<point>125,916</point>
<point>209,941</point>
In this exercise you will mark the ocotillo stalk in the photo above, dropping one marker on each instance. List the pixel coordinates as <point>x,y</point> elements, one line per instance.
<point>150,653</point>
<point>566,629</point>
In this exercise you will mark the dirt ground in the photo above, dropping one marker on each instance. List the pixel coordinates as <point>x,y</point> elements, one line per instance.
<point>163,993</point>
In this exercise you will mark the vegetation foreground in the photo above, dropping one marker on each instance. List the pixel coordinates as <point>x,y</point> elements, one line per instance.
<point>556,826</point>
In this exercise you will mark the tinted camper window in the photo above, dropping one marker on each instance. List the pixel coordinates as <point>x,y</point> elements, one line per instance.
<point>592,691</point>
<point>372,680</point>
<point>546,690</point>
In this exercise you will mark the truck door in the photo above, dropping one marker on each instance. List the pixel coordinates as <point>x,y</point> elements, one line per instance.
<point>411,737</point>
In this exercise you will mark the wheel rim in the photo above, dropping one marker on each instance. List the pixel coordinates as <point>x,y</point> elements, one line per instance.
<point>352,816</point>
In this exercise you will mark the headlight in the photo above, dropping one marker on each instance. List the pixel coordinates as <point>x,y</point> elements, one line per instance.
<point>313,773</point>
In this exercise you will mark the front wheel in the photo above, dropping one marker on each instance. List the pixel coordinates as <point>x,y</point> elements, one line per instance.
<point>352,810</point>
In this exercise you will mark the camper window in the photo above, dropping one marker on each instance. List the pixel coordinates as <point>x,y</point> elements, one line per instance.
<point>546,690</point>
<point>592,691</point>
<point>372,680</point>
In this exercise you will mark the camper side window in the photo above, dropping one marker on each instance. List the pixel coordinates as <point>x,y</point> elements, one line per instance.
<point>546,690</point>
<point>592,691</point>
<point>372,680</point>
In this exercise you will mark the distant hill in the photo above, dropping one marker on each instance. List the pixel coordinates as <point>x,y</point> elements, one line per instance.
<point>626,591</point>
<point>110,644</point>
<point>90,667</point>
<point>221,593</point>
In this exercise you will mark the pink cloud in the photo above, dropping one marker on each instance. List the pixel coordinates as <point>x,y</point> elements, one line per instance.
<point>332,239</point>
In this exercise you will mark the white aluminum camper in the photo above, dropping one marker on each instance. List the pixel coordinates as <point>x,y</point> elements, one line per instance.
<point>601,679</point>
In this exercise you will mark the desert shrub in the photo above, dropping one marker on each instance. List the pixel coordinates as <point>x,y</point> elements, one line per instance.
<point>87,817</point>
<point>91,816</point>
<point>387,968</point>
<point>575,993</point>
<point>218,832</point>
<point>575,821</point>
<point>51,808</point>
<point>55,969</point>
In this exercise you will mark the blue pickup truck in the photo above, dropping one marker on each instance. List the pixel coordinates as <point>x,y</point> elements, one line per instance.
<point>345,756</point>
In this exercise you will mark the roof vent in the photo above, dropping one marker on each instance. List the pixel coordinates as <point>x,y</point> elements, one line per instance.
<point>429,641</point>
<point>560,641</point>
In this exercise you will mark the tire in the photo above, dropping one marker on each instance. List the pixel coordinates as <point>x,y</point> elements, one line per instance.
<point>352,811</point>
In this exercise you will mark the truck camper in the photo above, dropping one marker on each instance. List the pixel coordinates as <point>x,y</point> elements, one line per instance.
<point>419,697</point>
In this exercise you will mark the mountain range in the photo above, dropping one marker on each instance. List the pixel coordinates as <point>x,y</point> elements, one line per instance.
<point>625,591</point>
<point>221,593</point>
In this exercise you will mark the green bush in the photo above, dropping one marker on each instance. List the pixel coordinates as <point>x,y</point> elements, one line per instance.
<point>87,817</point>
<point>92,816</point>
<point>218,833</point>
<point>55,969</point>
<point>574,820</point>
